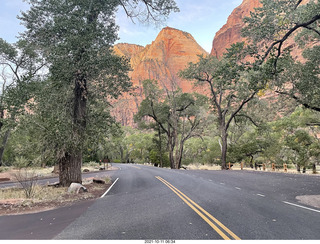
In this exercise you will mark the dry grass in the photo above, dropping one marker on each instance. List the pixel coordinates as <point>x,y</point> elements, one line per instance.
<point>13,200</point>
<point>203,167</point>
<point>42,193</point>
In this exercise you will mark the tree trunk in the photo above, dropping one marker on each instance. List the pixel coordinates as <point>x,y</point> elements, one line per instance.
<point>69,168</point>
<point>4,143</point>
<point>180,155</point>
<point>224,146</point>
<point>70,163</point>
<point>160,147</point>
<point>171,154</point>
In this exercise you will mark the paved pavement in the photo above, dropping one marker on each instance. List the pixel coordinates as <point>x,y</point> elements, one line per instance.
<point>150,203</point>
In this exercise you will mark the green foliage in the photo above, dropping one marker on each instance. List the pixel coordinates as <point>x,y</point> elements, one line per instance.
<point>270,28</point>
<point>205,150</point>
<point>177,115</point>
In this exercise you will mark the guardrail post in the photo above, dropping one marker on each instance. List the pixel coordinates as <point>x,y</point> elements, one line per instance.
<point>272,166</point>
<point>264,167</point>
<point>229,165</point>
<point>241,165</point>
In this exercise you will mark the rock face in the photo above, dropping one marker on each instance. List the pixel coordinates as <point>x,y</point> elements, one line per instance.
<point>171,51</point>
<point>162,60</point>
<point>231,32</point>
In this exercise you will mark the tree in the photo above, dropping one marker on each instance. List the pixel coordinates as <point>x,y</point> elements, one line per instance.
<point>232,83</point>
<point>278,28</point>
<point>20,65</point>
<point>75,38</point>
<point>179,115</point>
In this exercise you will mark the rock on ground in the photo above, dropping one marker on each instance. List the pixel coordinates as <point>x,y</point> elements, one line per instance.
<point>76,188</point>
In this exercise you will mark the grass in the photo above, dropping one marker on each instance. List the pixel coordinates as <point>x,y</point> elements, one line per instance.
<point>41,193</point>
<point>196,166</point>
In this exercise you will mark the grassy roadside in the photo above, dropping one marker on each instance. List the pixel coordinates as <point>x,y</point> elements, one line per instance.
<point>14,200</point>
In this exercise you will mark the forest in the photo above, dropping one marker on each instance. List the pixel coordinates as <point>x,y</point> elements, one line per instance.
<point>261,105</point>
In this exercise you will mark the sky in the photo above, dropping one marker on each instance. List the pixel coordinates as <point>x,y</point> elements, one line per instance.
<point>201,18</point>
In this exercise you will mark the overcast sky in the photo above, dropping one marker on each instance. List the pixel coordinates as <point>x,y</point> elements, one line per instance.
<point>201,18</point>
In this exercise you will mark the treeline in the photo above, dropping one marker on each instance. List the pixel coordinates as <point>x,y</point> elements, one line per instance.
<point>261,103</point>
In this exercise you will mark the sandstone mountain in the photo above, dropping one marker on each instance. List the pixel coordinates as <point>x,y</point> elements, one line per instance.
<point>171,51</point>
<point>231,32</point>
<point>162,60</point>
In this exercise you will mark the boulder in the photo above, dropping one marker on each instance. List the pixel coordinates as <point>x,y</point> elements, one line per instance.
<point>98,181</point>
<point>76,188</point>
<point>55,184</point>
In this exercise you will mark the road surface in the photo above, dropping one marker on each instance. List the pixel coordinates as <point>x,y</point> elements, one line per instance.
<point>151,203</point>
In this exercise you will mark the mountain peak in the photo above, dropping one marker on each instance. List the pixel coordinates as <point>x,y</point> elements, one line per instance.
<point>161,60</point>
<point>231,32</point>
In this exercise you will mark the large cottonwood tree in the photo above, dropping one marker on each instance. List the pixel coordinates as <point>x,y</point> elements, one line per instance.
<point>75,38</point>
<point>232,84</point>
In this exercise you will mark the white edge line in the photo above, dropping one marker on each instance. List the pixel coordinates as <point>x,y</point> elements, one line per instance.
<point>109,188</point>
<point>311,209</point>
<point>261,195</point>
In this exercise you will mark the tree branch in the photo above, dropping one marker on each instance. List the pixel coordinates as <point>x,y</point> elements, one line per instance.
<point>297,4</point>
<point>299,101</point>
<point>239,108</point>
<point>248,117</point>
<point>286,36</point>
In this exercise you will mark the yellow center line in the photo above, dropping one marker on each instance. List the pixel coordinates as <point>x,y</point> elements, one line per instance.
<point>194,207</point>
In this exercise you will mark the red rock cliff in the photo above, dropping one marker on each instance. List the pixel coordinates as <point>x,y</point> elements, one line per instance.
<point>162,60</point>
<point>231,32</point>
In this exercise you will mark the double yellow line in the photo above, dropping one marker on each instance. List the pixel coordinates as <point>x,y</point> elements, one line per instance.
<point>222,230</point>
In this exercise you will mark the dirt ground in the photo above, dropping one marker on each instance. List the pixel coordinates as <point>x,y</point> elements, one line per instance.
<point>14,206</point>
<point>24,206</point>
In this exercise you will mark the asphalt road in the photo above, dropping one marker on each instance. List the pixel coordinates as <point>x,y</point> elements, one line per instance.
<point>151,203</point>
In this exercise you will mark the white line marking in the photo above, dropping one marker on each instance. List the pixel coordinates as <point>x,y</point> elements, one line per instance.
<point>260,195</point>
<point>238,188</point>
<point>109,188</point>
<point>221,183</point>
<point>311,209</point>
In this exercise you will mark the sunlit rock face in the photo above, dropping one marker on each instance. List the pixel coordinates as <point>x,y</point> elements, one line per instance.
<point>231,32</point>
<point>162,60</point>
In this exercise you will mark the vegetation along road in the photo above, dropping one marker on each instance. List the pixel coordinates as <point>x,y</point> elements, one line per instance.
<point>154,203</point>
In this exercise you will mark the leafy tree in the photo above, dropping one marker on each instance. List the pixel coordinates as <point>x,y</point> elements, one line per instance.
<point>20,66</point>
<point>179,115</point>
<point>271,28</point>
<point>300,143</point>
<point>75,38</point>
<point>232,84</point>
<point>204,150</point>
